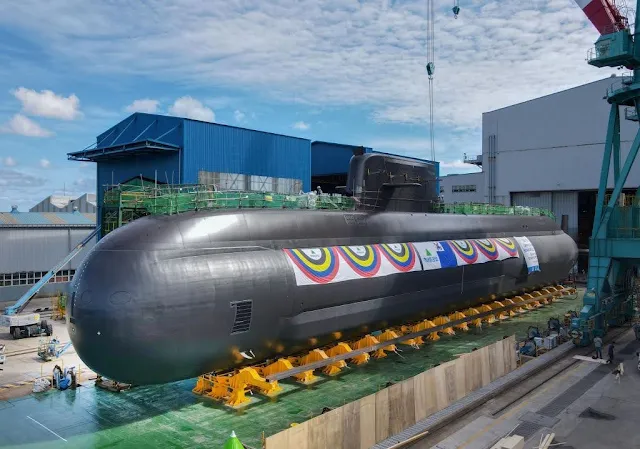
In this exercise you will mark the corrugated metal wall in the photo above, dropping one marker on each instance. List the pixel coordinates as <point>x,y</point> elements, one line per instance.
<point>566,203</point>
<point>39,249</point>
<point>331,158</point>
<point>84,205</point>
<point>11,294</point>
<point>560,203</point>
<point>140,126</point>
<point>225,149</point>
<point>532,199</point>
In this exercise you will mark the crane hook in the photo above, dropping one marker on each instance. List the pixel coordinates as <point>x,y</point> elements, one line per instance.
<point>455,9</point>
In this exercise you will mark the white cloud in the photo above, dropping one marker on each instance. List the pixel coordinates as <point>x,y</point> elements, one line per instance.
<point>45,163</point>
<point>238,116</point>
<point>144,105</point>
<point>84,185</point>
<point>24,126</point>
<point>15,179</point>
<point>9,162</point>
<point>331,53</point>
<point>48,104</point>
<point>459,164</point>
<point>191,108</point>
<point>301,126</point>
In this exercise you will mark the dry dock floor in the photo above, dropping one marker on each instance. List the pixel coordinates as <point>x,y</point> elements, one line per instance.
<point>171,416</point>
<point>580,401</point>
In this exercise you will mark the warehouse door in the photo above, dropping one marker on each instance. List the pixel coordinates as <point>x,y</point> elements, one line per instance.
<point>566,203</point>
<point>532,199</point>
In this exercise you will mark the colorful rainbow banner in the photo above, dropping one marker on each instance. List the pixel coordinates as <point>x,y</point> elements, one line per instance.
<point>457,253</point>
<point>313,266</point>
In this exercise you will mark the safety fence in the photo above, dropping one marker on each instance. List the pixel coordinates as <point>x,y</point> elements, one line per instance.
<point>491,209</point>
<point>624,223</point>
<point>127,202</point>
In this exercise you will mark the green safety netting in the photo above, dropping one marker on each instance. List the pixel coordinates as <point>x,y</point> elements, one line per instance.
<point>125,203</point>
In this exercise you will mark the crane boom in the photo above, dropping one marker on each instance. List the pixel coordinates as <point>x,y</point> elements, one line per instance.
<point>604,15</point>
<point>24,299</point>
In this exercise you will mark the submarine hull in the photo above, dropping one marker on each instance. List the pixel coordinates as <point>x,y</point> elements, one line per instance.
<point>166,298</point>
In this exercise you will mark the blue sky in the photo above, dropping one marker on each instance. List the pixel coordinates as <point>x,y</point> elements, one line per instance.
<point>345,71</point>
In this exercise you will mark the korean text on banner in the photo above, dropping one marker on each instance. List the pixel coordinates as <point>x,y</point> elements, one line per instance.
<point>529,253</point>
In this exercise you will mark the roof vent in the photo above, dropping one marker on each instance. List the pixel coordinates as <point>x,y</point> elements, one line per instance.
<point>14,209</point>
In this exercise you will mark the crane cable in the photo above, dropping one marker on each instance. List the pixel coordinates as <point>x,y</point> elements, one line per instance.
<point>430,72</point>
<point>431,67</point>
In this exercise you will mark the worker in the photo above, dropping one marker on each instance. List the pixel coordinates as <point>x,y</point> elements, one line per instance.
<point>636,329</point>
<point>611,348</point>
<point>597,342</point>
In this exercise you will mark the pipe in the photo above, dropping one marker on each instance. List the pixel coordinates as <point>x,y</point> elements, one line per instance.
<point>409,440</point>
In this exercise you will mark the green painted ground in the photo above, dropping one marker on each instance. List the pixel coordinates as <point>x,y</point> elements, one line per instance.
<point>170,416</point>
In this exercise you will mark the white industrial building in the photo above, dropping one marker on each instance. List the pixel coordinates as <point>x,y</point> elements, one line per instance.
<point>63,203</point>
<point>547,153</point>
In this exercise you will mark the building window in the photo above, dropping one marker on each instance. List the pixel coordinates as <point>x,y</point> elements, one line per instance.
<point>465,188</point>
<point>31,277</point>
<point>254,183</point>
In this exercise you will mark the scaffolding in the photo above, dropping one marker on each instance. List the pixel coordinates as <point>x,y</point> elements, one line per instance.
<point>491,209</point>
<point>124,203</point>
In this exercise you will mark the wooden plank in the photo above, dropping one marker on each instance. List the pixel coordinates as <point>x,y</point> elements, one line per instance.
<point>317,432</point>
<point>514,354</point>
<point>298,436</point>
<point>422,396</point>
<point>280,440</point>
<point>485,365</point>
<point>334,434</point>
<point>442,399</point>
<point>450,379</point>
<point>396,412</point>
<point>511,351</point>
<point>351,425</point>
<point>409,398</point>
<point>499,359</point>
<point>474,378</point>
<point>382,415</point>
<point>506,355</point>
<point>493,369</point>
<point>461,367</point>
<point>367,421</point>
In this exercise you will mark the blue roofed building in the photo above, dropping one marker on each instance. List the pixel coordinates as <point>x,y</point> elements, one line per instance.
<point>175,150</point>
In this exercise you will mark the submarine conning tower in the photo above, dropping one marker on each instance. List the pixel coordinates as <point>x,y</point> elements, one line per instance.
<point>383,182</point>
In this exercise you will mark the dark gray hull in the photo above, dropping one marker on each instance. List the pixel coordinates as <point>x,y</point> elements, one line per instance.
<point>154,301</point>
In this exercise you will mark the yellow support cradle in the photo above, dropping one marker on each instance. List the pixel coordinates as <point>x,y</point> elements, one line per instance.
<point>477,322</point>
<point>232,387</point>
<point>441,321</point>
<point>459,316</point>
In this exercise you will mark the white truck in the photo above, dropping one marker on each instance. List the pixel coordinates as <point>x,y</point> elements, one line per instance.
<point>26,325</point>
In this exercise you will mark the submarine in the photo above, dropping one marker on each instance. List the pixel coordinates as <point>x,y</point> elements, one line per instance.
<point>166,298</point>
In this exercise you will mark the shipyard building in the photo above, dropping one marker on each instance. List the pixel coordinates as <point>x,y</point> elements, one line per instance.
<point>547,153</point>
<point>34,242</point>
<point>163,150</point>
